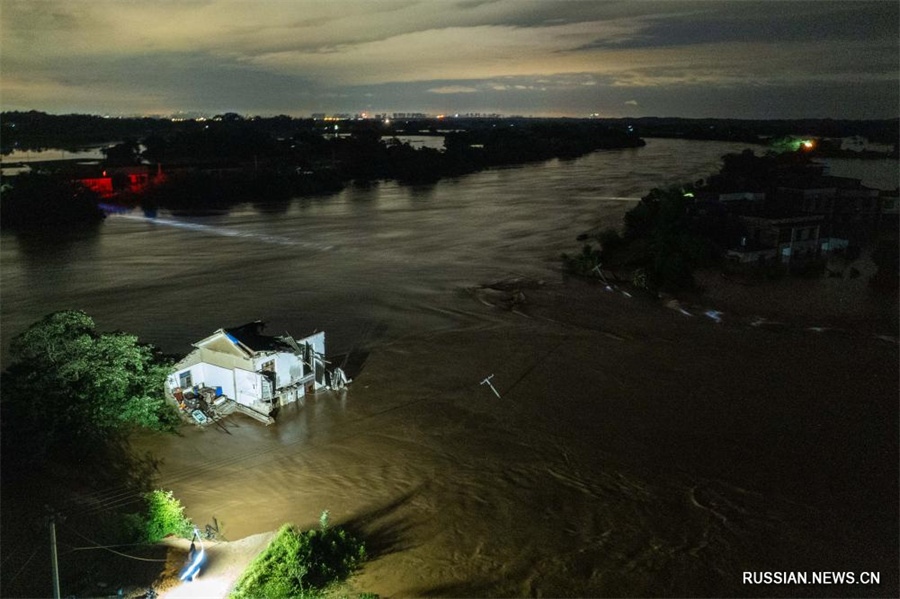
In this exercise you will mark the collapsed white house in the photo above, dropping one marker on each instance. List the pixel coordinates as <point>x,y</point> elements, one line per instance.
<point>254,370</point>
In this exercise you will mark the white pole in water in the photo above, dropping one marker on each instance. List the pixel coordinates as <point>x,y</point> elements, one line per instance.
<point>488,381</point>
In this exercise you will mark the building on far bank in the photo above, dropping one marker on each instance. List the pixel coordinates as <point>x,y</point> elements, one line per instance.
<point>784,239</point>
<point>794,212</point>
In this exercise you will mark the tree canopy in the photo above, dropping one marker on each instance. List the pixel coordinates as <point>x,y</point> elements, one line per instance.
<point>36,201</point>
<point>71,384</point>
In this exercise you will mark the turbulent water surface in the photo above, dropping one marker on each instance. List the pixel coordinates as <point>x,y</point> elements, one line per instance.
<point>384,257</point>
<point>636,450</point>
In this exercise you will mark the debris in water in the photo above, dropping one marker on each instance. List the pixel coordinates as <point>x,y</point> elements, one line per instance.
<point>714,314</point>
<point>339,379</point>
<point>506,294</point>
<point>675,305</point>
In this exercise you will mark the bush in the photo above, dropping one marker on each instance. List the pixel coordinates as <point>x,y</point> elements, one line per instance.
<point>583,263</point>
<point>300,564</point>
<point>165,516</point>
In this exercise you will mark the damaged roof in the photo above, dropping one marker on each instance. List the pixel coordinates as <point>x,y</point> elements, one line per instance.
<point>250,335</point>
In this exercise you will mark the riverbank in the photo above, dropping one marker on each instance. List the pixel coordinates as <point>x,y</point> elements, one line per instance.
<point>634,452</point>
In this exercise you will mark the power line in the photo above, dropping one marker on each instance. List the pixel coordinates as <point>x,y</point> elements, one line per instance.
<point>127,497</point>
<point>28,561</point>
<point>108,548</point>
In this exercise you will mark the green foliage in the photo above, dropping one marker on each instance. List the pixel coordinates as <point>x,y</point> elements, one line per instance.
<point>640,280</point>
<point>69,384</point>
<point>300,564</point>
<point>669,246</point>
<point>162,515</point>
<point>165,516</point>
<point>585,262</point>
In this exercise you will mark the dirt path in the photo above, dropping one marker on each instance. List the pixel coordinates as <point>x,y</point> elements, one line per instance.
<point>223,565</point>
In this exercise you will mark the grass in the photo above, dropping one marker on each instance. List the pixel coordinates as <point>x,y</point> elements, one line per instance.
<point>302,564</point>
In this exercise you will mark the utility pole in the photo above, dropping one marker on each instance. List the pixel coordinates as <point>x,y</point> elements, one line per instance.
<point>53,562</point>
<point>487,381</point>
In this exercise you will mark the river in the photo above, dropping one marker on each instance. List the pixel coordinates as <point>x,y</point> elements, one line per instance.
<point>635,451</point>
<point>383,258</point>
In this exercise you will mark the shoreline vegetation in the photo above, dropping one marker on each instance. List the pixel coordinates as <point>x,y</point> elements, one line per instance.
<point>220,162</point>
<point>34,130</point>
<point>217,164</point>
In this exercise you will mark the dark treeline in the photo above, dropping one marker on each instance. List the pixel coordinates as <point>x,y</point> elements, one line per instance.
<point>229,162</point>
<point>885,131</point>
<point>36,130</point>
<point>230,159</point>
<point>40,201</point>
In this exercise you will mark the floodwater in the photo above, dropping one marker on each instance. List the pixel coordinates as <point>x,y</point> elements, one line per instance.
<point>378,261</point>
<point>86,153</point>
<point>878,173</point>
<point>635,451</point>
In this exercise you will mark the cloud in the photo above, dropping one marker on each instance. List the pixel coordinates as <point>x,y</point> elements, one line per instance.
<point>452,89</point>
<point>552,54</point>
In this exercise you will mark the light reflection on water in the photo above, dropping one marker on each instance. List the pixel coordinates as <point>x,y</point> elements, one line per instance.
<point>398,253</point>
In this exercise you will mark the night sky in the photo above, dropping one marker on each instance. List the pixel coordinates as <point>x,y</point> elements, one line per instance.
<point>729,58</point>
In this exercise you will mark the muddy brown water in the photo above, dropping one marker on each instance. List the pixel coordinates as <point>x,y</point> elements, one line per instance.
<point>635,451</point>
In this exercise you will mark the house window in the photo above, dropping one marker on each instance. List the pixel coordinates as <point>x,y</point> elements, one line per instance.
<point>185,380</point>
<point>269,366</point>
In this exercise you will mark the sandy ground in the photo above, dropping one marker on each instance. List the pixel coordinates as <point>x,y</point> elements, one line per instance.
<point>223,565</point>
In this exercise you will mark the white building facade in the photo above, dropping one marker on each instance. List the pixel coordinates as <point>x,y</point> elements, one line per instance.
<point>258,371</point>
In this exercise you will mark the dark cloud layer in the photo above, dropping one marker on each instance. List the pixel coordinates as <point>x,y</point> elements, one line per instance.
<point>717,58</point>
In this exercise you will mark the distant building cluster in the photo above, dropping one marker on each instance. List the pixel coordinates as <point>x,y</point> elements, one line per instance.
<point>805,214</point>
<point>362,116</point>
